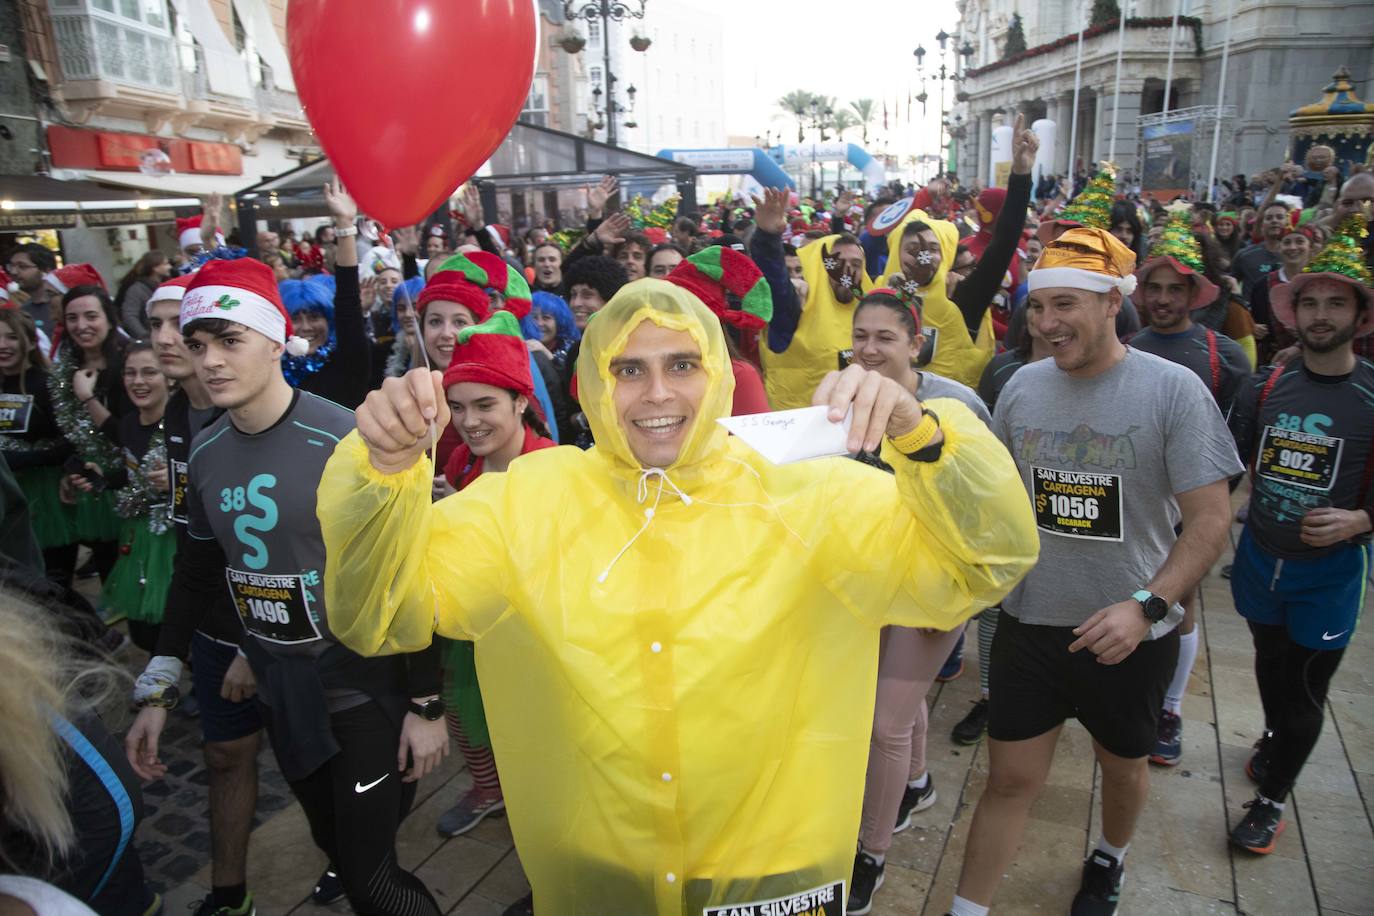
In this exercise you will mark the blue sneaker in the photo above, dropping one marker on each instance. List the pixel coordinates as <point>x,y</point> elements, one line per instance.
<point>1168,740</point>
<point>954,665</point>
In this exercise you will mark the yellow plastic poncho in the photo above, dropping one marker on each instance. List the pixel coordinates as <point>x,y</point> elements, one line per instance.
<point>680,701</point>
<point>826,327</point>
<point>957,355</point>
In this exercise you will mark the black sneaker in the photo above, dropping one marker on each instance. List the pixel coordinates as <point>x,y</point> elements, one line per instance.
<point>914,800</point>
<point>1259,830</point>
<point>971,728</point>
<point>1101,887</point>
<point>1257,767</point>
<point>328,889</point>
<point>868,877</point>
<point>1168,740</point>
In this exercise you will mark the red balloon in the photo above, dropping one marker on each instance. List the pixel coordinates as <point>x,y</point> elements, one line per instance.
<point>401,150</point>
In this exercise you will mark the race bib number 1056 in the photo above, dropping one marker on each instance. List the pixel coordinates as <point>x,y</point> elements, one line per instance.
<point>1077,504</point>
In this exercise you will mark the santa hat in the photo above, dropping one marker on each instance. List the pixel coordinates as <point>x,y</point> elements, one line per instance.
<point>170,291</point>
<point>715,271</point>
<point>6,285</point>
<point>493,353</point>
<point>1178,248</point>
<point>1342,260</point>
<point>1083,258</point>
<point>188,232</point>
<point>488,271</point>
<point>74,275</point>
<point>243,291</point>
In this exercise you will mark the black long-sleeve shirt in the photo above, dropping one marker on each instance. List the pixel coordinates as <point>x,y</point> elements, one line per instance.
<point>974,295</point>
<point>345,379</point>
<point>43,443</point>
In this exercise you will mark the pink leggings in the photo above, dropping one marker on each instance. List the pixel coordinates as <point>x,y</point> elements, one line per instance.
<point>908,661</point>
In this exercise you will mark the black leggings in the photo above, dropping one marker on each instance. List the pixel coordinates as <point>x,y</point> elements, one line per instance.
<point>357,829</point>
<point>1293,681</point>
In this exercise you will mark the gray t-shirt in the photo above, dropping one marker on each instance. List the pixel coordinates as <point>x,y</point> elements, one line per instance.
<point>255,495</point>
<point>1102,459</point>
<point>1219,363</point>
<point>1309,446</point>
<point>937,386</point>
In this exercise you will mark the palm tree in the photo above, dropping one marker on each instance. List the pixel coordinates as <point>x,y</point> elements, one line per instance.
<point>843,120</point>
<point>797,103</point>
<point>863,110</point>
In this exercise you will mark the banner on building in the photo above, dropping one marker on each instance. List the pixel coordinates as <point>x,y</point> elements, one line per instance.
<point>1168,161</point>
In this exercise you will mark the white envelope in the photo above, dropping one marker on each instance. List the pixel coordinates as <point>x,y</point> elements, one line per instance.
<point>785,436</point>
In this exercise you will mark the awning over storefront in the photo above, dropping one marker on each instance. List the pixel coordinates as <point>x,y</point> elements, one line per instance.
<point>32,202</point>
<point>175,185</point>
<point>529,159</point>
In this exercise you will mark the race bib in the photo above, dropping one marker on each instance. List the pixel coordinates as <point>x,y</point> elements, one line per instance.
<point>1299,459</point>
<point>1077,503</point>
<point>274,608</point>
<point>827,900</point>
<point>14,412</point>
<point>181,480</point>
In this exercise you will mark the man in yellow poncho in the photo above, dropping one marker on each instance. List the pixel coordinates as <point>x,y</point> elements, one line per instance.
<point>678,659</point>
<point>922,250</point>
<point>806,335</point>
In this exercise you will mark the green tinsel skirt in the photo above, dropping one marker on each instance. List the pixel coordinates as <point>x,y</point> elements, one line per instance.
<point>137,586</point>
<point>54,522</point>
<point>95,518</point>
<point>462,695</point>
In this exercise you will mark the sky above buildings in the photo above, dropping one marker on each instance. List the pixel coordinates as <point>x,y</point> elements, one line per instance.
<point>848,49</point>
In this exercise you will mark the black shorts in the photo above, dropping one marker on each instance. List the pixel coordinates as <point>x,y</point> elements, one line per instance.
<point>220,720</point>
<point>1035,683</point>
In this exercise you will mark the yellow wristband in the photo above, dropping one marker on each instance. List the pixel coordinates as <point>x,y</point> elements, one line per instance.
<point>912,442</point>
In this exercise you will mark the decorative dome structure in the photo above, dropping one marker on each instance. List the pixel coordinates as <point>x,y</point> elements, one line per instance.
<point>1338,120</point>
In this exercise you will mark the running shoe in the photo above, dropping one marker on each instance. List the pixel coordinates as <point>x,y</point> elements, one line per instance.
<point>522,907</point>
<point>1257,767</point>
<point>328,889</point>
<point>868,877</point>
<point>1259,830</point>
<point>971,728</point>
<point>1168,740</point>
<point>1103,876</point>
<point>468,813</point>
<point>954,665</point>
<point>914,800</point>
<point>207,908</point>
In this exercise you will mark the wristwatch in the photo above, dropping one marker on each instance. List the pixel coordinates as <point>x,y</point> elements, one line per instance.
<point>431,710</point>
<point>1155,607</point>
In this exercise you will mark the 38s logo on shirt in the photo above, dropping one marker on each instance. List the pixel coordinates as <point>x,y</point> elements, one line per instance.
<point>237,499</point>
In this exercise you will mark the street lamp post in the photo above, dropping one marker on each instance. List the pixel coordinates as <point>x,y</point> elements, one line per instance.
<point>606,11</point>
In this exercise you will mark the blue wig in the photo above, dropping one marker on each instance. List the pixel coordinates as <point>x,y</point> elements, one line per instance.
<point>550,304</point>
<point>406,292</point>
<point>313,295</point>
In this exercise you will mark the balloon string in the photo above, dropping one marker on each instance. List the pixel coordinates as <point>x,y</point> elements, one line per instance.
<point>433,430</point>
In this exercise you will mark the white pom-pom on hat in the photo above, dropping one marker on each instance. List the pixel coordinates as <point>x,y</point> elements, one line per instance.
<point>1127,284</point>
<point>297,346</point>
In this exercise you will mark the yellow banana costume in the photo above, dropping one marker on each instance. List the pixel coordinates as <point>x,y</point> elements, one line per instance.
<point>680,700</point>
<point>826,327</point>
<point>957,356</point>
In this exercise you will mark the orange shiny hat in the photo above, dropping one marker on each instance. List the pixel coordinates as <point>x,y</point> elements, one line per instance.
<point>1083,258</point>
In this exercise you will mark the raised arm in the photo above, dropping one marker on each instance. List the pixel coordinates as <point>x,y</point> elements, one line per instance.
<point>765,247</point>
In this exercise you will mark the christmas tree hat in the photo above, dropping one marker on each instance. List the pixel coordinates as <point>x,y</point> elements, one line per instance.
<point>1178,247</point>
<point>1341,260</point>
<point>1091,208</point>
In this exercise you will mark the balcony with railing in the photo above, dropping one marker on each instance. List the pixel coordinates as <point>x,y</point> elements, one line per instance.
<point>106,56</point>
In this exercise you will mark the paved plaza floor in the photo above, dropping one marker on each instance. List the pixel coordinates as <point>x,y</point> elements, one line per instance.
<point>1179,862</point>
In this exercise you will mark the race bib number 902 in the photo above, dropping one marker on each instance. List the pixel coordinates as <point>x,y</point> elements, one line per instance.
<point>1299,459</point>
<point>1077,503</point>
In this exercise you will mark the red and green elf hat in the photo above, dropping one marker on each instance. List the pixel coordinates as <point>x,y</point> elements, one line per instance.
<point>712,272</point>
<point>493,353</point>
<point>488,271</point>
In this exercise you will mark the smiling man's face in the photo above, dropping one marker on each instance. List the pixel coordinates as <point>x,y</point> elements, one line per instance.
<point>659,386</point>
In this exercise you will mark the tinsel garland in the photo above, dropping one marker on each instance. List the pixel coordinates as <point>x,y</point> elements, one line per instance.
<point>72,418</point>
<point>1343,254</point>
<point>1178,242</point>
<point>139,498</point>
<point>14,444</point>
<point>567,239</point>
<point>298,368</point>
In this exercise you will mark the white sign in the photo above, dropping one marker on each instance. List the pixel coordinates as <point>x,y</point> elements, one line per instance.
<point>785,436</point>
<point>716,160</point>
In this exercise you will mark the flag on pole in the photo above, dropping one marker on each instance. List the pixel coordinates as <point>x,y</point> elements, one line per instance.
<point>884,114</point>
